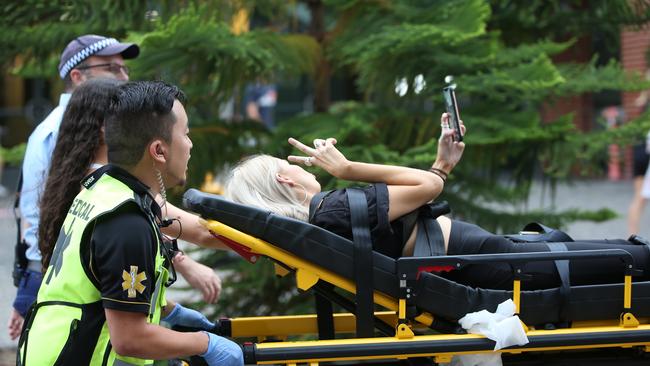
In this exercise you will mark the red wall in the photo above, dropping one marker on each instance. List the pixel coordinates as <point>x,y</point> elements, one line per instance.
<point>581,106</point>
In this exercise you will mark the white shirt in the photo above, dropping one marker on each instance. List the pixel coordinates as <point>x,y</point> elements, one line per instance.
<point>36,165</point>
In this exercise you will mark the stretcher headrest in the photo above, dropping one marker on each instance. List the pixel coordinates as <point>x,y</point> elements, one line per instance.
<point>288,233</point>
<point>248,219</point>
<point>302,239</point>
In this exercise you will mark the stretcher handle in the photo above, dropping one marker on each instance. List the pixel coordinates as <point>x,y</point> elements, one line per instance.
<point>218,328</point>
<point>409,267</point>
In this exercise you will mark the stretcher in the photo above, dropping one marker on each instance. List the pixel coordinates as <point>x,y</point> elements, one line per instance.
<point>414,311</point>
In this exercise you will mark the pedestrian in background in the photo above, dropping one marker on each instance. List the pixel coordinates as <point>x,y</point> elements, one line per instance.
<point>641,160</point>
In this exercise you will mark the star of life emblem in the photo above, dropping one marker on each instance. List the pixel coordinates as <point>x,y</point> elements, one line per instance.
<point>133,281</point>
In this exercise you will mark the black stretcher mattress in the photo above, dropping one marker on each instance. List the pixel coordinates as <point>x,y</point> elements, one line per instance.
<point>434,294</point>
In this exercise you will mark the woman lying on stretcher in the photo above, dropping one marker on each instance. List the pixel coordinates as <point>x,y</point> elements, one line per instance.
<point>287,189</point>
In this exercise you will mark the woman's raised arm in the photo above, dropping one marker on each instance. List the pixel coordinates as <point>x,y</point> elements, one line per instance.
<point>408,188</point>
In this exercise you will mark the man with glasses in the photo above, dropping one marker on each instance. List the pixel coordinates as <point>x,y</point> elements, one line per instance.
<point>92,56</point>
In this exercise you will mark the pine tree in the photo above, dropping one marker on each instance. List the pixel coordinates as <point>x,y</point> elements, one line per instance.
<point>500,54</point>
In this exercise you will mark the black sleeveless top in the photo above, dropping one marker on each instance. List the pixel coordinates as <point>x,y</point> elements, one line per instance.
<point>333,214</point>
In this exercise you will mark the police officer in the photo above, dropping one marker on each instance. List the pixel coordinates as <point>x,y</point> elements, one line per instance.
<point>84,58</point>
<point>103,293</point>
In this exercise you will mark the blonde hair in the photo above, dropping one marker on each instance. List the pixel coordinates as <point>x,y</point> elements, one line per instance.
<point>253,182</point>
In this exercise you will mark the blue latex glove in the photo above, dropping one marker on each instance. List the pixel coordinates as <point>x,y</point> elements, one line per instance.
<point>222,352</point>
<point>185,317</point>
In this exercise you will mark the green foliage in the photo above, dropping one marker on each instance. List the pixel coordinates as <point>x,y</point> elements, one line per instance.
<point>13,155</point>
<point>527,22</point>
<point>39,30</point>
<point>589,146</point>
<point>196,50</point>
<point>505,75</point>
<point>584,78</point>
<point>255,290</point>
<point>201,53</point>
<point>217,59</point>
<point>379,40</point>
<point>217,143</point>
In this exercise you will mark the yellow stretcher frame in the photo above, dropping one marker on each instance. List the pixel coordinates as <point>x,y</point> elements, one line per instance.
<point>625,332</point>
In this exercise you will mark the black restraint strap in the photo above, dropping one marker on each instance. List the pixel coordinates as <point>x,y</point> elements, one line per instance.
<point>534,232</point>
<point>408,222</point>
<point>325,316</point>
<point>328,291</point>
<point>638,240</point>
<point>315,202</point>
<point>562,267</point>
<point>324,311</point>
<point>429,240</point>
<point>363,268</point>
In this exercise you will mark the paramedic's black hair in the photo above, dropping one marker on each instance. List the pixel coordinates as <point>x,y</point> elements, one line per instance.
<point>140,112</point>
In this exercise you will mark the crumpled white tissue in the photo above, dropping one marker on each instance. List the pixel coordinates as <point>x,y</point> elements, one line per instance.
<point>502,326</point>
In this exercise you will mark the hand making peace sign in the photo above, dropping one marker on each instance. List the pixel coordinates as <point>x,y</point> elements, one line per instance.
<point>324,155</point>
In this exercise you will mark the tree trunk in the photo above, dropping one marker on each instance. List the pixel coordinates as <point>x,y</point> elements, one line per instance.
<point>323,72</point>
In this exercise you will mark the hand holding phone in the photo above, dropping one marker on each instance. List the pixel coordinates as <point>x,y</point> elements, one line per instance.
<point>449,94</point>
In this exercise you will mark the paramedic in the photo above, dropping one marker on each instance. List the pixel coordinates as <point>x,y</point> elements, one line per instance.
<point>103,294</point>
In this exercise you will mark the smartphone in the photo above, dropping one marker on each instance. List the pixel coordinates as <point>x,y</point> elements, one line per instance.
<point>452,109</point>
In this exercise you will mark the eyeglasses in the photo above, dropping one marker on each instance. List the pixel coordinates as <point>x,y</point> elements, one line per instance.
<point>111,67</point>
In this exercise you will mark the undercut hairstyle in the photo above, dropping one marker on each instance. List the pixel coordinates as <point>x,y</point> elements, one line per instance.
<point>140,112</point>
<point>80,135</point>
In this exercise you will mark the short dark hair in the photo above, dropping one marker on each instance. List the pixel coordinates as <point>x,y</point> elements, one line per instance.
<point>67,80</point>
<point>140,112</point>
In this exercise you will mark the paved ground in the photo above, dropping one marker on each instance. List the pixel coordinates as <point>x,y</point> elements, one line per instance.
<point>593,195</point>
<point>581,194</point>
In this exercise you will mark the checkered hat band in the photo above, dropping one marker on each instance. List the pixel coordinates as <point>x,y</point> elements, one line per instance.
<point>84,54</point>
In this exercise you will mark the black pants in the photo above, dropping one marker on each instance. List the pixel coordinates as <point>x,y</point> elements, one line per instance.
<point>467,238</point>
